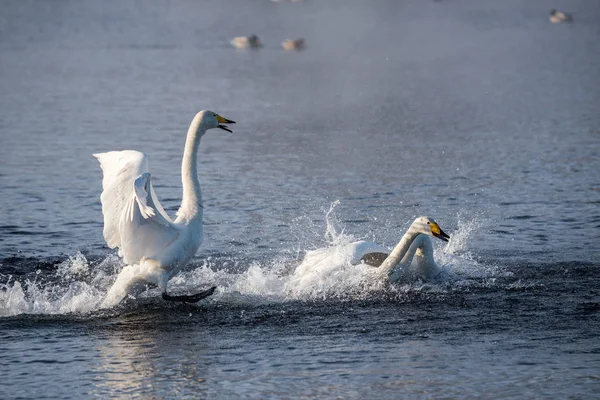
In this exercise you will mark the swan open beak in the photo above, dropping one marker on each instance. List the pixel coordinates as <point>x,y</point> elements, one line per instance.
<point>438,232</point>
<point>222,120</point>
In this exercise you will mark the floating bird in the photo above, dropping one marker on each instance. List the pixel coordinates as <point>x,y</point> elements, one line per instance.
<point>556,17</point>
<point>246,42</point>
<point>153,246</point>
<point>290,44</point>
<point>411,259</point>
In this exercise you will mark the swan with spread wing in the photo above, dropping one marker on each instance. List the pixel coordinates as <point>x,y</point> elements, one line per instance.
<point>152,245</point>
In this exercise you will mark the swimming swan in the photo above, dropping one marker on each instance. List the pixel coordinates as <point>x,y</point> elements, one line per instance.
<point>293,44</point>
<point>556,17</point>
<point>411,259</point>
<point>153,246</point>
<point>245,42</point>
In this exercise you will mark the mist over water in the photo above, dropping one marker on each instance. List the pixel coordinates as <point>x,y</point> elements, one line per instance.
<point>481,115</point>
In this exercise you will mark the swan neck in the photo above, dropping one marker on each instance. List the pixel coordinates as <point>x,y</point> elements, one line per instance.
<point>191,204</point>
<point>398,252</point>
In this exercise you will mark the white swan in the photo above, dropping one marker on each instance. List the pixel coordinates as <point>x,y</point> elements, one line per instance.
<point>153,246</point>
<point>293,44</point>
<point>556,17</point>
<point>245,42</point>
<point>411,259</point>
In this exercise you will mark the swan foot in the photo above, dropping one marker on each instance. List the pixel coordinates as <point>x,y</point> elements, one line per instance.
<point>191,298</point>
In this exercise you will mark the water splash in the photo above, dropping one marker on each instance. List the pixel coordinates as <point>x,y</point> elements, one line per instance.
<point>461,237</point>
<point>456,257</point>
<point>73,288</point>
<point>75,267</point>
<point>78,286</point>
<point>334,233</point>
<point>257,284</point>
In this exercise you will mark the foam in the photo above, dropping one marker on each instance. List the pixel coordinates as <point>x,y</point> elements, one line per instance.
<point>76,286</point>
<point>72,290</point>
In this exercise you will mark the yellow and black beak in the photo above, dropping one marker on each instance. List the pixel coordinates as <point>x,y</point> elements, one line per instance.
<point>438,232</point>
<point>222,120</point>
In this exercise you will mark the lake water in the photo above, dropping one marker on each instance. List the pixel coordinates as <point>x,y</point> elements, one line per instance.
<point>482,115</point>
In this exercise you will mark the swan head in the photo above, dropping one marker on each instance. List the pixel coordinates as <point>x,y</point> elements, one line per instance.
<point>428,226</point>
<point>254,41</point>
<point>210,120</point>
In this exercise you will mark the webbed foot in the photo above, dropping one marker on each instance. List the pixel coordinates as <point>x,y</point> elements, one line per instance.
<point>191,298</point>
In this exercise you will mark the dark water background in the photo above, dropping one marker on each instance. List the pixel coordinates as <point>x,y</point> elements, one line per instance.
<point>482,115</point>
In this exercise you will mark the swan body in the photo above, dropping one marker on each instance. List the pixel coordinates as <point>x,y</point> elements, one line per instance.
<point>152,245</point>
<point>246,42</point>
<point>293,44</point>
<point>556,17</point>
<point>411,259</point>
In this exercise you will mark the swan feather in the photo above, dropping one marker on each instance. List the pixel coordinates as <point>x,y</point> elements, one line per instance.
<point>134,220</point>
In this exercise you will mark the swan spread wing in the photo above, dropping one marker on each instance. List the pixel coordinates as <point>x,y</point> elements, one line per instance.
<point>134,220</point>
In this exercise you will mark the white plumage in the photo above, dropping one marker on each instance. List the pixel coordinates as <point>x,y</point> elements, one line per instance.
<point>246,42</point>
<point>412,258</point>
<point>293,44</point>
<point>153,246</point>
<point>134,220</point>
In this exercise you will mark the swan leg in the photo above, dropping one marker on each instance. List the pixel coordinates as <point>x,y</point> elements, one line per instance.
<point>128,283</point>
<point>190,298</point>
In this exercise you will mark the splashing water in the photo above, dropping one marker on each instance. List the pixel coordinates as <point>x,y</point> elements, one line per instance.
<point>336,270</point>
<point>78,286</point>
<point>462,235</point>
<point>75,288</point>
<point>457,259</point>
<point>334,235</point>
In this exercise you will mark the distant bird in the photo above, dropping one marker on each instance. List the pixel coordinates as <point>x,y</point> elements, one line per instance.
<point>153,246</point>
<point>246,42</point>
<point>290,44</point>
<point>557,17</point>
